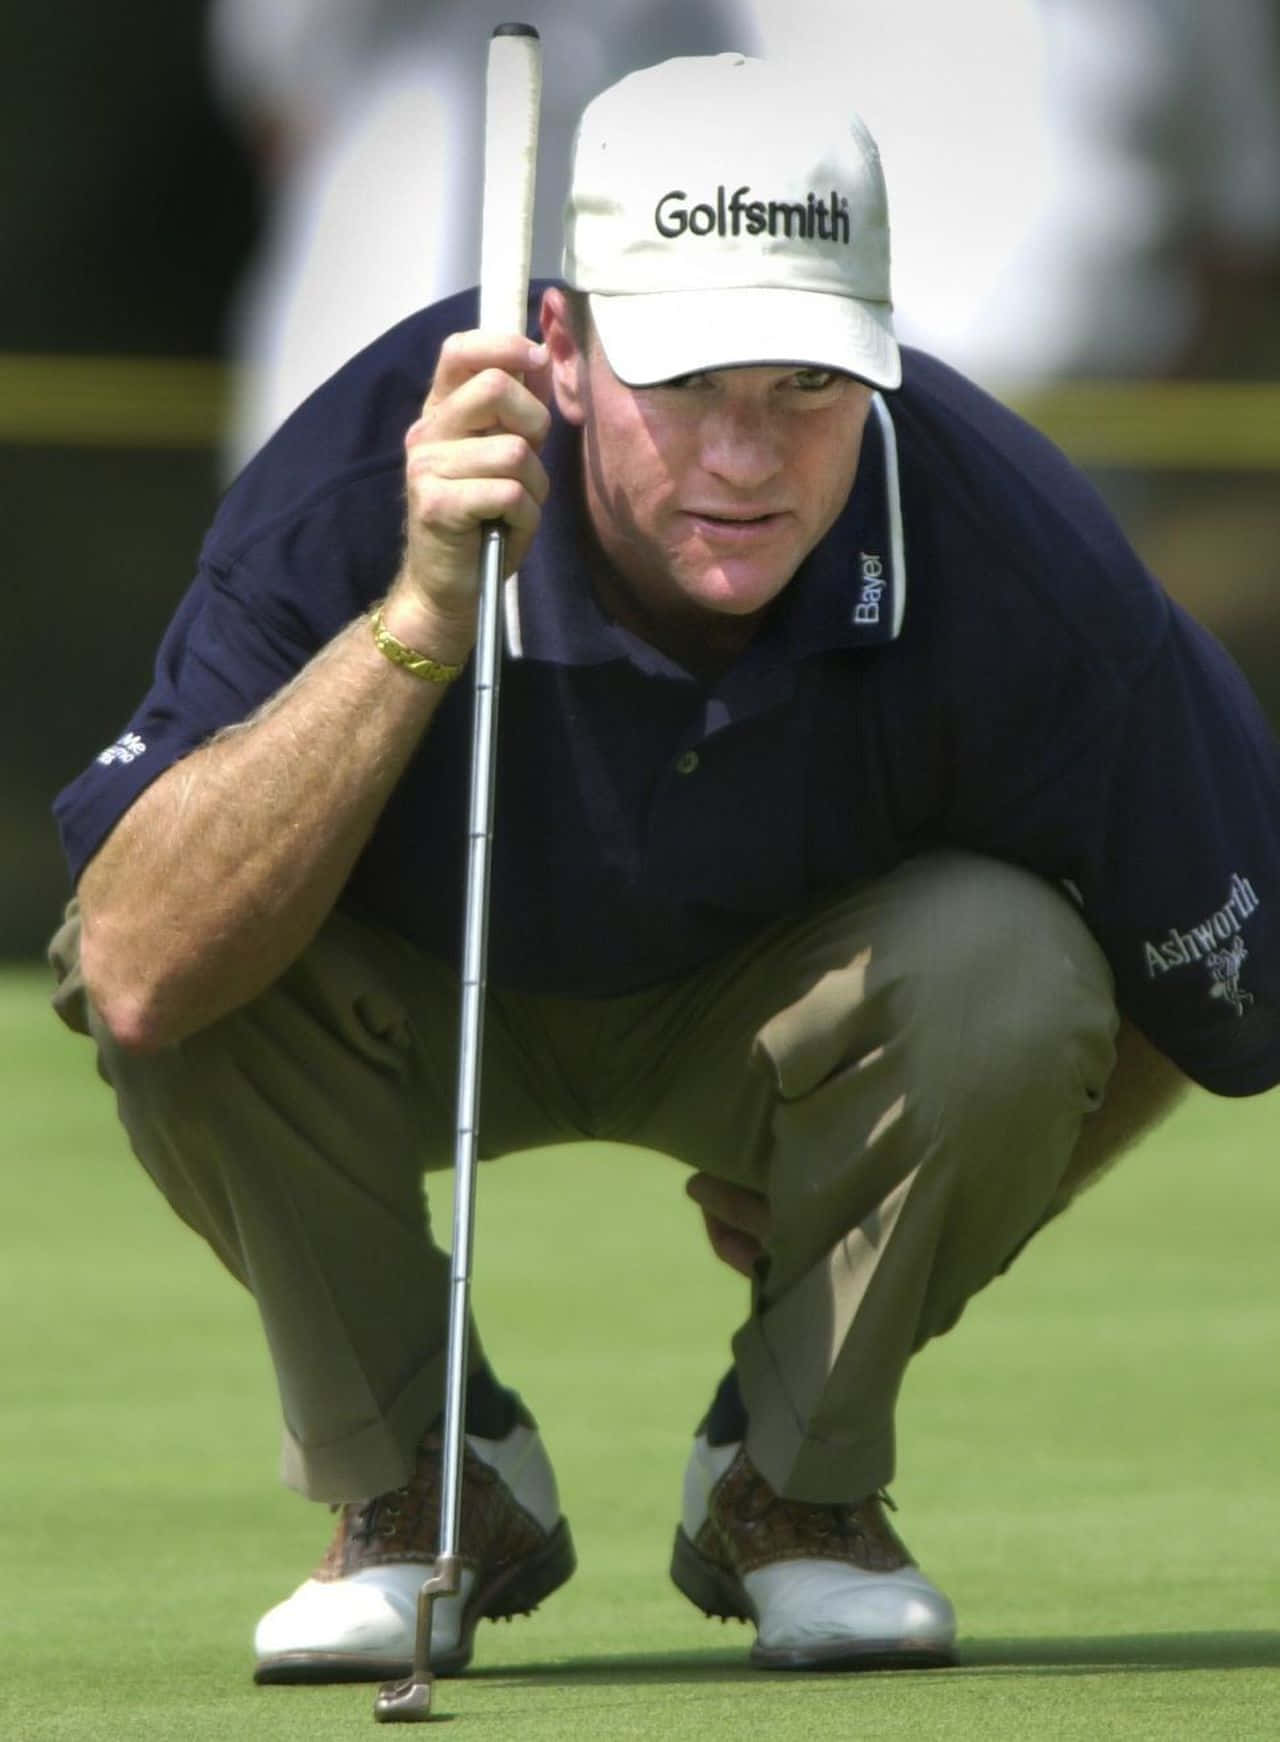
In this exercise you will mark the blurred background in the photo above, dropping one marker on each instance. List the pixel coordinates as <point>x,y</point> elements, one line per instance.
<point>205,208</point>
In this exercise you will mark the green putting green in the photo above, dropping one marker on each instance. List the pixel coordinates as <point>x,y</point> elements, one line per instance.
<point>1088,1463</point>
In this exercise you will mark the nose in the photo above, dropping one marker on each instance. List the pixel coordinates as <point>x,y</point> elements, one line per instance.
<point>741,445</point>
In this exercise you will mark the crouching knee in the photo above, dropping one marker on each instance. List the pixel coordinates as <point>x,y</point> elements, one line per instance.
<point>961,976</point>
<point>1000,989</point>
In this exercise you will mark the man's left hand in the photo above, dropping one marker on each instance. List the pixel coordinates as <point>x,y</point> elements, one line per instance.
<point>737,1220</point>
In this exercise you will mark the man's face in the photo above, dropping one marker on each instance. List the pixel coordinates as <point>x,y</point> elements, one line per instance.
<point>708,492</point>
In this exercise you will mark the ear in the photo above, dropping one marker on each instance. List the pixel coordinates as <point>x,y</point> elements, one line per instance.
<point>568,360</point>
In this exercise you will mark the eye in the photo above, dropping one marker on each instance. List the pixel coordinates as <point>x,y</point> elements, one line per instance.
<point>814,380</point>
<point>685,383</point>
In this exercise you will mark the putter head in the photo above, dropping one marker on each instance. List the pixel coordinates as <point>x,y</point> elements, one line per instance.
<point>407,1702</point>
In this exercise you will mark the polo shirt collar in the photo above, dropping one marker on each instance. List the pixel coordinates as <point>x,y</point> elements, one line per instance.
<point>550,606</point>
<point>849,592</point>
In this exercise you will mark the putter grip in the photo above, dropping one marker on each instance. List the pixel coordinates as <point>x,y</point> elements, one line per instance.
<point>513,90</point>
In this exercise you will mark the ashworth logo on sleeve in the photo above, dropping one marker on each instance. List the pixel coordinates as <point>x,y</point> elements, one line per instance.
<point>126,749</point>
<point>819,217</point>
<point>1216,942</point>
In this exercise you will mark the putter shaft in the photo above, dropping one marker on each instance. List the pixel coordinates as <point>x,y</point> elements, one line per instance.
<point>409,1702</point>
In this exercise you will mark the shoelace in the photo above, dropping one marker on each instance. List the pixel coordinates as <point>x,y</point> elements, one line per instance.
<point>377,1517</point>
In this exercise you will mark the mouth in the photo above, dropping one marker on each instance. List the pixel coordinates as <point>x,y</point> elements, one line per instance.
<point>735,525</point>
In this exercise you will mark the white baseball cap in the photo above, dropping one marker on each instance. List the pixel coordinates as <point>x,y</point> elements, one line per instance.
<point>724,210</point>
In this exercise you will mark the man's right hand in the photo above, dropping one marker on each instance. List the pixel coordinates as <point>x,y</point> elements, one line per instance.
<point>471,457</point>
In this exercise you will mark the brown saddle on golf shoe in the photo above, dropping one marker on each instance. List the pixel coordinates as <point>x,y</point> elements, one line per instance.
<point>828,1586</point>
<point>354,1619</point>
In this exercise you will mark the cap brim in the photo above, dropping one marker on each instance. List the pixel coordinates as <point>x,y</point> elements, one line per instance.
<point>657,335</point>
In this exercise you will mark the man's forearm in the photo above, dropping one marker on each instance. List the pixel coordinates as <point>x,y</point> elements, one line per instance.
<point>223,870</point>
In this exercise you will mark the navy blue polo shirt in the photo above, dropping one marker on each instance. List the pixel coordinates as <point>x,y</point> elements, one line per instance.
<point>973,656</point>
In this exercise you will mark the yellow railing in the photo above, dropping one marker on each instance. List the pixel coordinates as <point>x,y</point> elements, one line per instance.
<point>1195,426</point>
<point>165,403</point>
<point>111,402</point>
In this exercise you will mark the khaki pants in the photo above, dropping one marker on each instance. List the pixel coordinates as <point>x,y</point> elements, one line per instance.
<point>903,1072</point>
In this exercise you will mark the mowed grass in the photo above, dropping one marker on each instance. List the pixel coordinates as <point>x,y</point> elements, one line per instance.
<point>1089,1463</point>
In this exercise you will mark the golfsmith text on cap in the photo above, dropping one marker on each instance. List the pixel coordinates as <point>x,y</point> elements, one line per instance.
<point>827,219</point>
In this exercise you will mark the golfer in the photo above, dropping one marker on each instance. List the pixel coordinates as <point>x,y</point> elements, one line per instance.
<point>874,837</point>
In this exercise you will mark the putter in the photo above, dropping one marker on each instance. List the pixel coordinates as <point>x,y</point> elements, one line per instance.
<point>512,91</point>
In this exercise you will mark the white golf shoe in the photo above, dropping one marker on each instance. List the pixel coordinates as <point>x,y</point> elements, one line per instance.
<point>355,1618</point>
<point>828,1586</point>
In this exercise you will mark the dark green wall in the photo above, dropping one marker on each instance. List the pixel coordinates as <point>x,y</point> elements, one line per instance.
<point>126,213</point>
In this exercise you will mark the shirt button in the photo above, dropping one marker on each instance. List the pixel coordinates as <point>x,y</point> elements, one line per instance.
<point>686,761</point>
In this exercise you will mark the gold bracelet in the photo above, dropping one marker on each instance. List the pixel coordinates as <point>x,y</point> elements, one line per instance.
<point>429,670</point>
